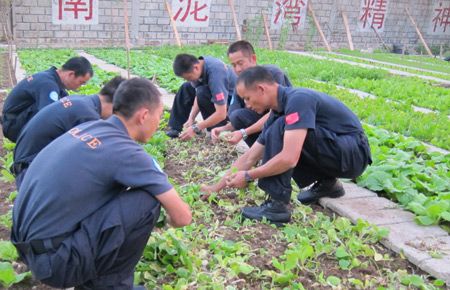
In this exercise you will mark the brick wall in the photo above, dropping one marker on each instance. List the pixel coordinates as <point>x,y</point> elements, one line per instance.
<point>149,25</point>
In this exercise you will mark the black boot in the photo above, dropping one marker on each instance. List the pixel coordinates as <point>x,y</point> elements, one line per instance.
<point>273,210</point>
<point>172,133</point>
<point>323,188</point>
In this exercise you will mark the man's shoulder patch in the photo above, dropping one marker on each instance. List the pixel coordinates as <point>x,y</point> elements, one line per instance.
<point>292,118</point>
<point>53,96</point>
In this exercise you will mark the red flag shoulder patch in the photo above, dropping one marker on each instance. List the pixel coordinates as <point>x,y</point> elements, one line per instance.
<point>292,118</point>
<point>220,97</point>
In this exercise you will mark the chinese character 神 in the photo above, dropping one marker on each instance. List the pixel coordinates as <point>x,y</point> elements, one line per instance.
<point>76,6</point>
<point>442,18</point>
<point>289,9</point>
<point>188,11</point>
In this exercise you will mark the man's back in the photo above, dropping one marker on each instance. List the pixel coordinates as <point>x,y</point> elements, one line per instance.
<point>78,173</point>
<point>53,121</point>
<point>27,98</point>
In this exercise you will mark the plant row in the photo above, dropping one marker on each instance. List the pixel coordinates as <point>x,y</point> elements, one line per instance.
<point>417,61</point>
<point>440,75</point>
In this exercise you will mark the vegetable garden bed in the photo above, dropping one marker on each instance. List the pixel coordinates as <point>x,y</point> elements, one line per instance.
<point>315,251</point>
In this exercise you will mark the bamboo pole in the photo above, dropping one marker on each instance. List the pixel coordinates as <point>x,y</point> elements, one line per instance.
<point>174,26</point>
<point>266,30</point>
<point>316,22</point>
<point>347,29</point>
<point>380,39</point>
<point>236,24</point>
<point>127,35</point>
<point>418,32</point>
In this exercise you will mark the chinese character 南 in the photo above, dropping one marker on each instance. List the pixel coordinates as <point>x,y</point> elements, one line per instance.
<point>76,7</point>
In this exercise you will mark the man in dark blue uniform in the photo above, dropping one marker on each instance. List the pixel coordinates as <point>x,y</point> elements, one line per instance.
<point>56,119</point>
<point>309,136</point>
<point>245,123</point>
<point>90,199</point>
<point>39,90</point>
<point>210,84</point>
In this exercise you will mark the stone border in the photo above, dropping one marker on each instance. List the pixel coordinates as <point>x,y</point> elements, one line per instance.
<point>392,71</point>
<point>417,243</point>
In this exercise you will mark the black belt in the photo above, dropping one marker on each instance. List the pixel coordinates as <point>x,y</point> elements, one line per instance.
<point>17,168</point>
<point>38,246</point>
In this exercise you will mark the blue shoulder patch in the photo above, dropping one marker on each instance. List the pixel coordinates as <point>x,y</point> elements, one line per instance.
<point>53,96</point>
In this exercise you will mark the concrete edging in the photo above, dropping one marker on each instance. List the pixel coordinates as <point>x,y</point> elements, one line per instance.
<point>417,243</point>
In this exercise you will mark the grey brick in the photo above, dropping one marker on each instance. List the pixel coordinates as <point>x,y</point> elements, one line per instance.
<point>163,21</point>
<point>90,34</point>
<point>29,3</point>
<point>75,34</point>
<point>61,34</point>
<point>22,10</point>
<point>44,3</point>
<point>37,27</point>
<point>45,18</point>
<point>31,18</point>
<point>38,10</point>
<point>22,26</point>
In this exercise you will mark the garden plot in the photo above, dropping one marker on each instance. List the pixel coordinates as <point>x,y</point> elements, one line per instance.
<point>392,71</point>
<point>404,185</point>
<point>387,65</point>
<point>317,250</point>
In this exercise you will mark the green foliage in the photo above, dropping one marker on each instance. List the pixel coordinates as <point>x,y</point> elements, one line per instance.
<point>9,277</point>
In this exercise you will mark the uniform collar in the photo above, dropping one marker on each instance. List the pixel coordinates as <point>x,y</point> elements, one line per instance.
<point>281,99</point>
<point>52,70</point>
<point>97,104</point>
<point>117,123</point>
<point>204,76</point>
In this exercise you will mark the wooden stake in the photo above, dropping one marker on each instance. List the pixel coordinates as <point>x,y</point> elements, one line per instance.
<point>266,30</point>
<point>236,24</point>
<point>127,35</point>
<point>380,39</point>
<point>174,26</point>
<point>418,32</point>
<point>347,29</point>
<point>316,22</point>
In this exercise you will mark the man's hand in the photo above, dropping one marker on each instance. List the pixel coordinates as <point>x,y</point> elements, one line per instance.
<point>236,180</point>
<point>188,123</point>
<point>216,132</point>
<point>234,137</point>
<point>208,189</point>
<point>187,134</point>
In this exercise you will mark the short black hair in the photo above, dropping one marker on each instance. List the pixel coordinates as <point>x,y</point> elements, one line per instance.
<point>253,75</point>
<point>80,65</point>
<point>110,88</point>
<point>184,63</point>
<point>243,46</point>
<point>134,94</point>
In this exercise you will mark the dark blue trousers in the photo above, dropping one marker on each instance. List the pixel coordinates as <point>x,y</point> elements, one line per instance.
<point>243,118</point>
<point>103,252</point>
<point>183,102</point>
<point>324,155</point>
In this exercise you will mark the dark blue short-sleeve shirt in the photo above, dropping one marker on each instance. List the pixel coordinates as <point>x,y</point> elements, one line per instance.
<point>219,78</point>
<point>28,97</point>
<point>77,174</point>
<point>53,121</point>
<point>307,109</point>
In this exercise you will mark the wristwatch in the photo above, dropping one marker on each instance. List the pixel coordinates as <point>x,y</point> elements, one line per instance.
<point>247,176</point>
<point>196,129</point>
<point>244,134</point>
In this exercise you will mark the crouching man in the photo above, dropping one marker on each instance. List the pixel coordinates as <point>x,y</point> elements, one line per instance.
<point>91,198</point>
<point>309,136</point>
